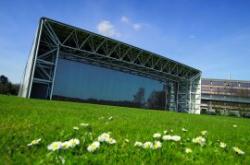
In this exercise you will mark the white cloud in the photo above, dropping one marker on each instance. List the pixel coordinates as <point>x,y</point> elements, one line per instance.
<point>134,25</point>
<point>137,26</point>
<point>124,19</point>
<point>107,28</point>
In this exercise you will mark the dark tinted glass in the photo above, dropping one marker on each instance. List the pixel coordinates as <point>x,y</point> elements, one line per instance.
<point>83,82</point>
<point>39,91</point>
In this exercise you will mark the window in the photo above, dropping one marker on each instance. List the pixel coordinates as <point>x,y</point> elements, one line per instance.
<point>89,83</point>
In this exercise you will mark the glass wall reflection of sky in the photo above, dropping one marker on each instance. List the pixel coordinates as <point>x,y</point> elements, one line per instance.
<point>84,81</point>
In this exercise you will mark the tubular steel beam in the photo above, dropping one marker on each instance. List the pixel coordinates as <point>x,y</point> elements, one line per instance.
<point>54,73</point>
<point>34,57</point>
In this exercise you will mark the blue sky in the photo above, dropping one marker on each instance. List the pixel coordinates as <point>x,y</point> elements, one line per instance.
<point>211,35</point>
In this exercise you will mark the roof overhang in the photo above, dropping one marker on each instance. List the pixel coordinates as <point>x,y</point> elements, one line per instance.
<point>82,45</point>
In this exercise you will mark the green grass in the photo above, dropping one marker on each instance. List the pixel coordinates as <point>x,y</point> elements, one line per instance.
<point>23,120</point>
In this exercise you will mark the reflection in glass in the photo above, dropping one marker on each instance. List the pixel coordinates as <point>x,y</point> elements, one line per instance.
<point>89,83</point>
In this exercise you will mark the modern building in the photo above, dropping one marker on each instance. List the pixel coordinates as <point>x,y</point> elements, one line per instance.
<point>69,63</point>
<point>225,97</point>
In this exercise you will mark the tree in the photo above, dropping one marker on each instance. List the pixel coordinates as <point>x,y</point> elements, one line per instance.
<point>139,97</point>
<point>3,79</point>
<point>157,100</point>
<point>6,87</point>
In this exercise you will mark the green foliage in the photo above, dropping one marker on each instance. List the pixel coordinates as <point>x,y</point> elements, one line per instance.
<point>6,87</point>
<point>23,120</point>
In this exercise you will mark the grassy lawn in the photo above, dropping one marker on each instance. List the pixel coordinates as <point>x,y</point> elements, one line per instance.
<point>23,120</point>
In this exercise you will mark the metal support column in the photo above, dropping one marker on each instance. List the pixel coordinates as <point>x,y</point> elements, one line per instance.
<point>54,72</point>
<point>36,46</point>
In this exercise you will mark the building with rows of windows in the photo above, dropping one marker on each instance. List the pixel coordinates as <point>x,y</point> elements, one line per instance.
<point>226,96</point>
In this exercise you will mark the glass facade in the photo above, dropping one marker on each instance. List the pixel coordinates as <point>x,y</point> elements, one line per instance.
<point>102,70</point>
<point>89,83</point>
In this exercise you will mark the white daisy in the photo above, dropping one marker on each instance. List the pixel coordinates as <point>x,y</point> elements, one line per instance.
<point>223,145</point>
<point>184,130</point>
<point>66,145</point>
<point>173,138</point>
<point>176,138</point>
<point>111,141</point>
<point>76,128</point>
<point>199,140</point>
<point>188,150</point>
<point>148,145</point>
<point>138,144</point>
<point>55,146</point>
<point>204,132</point>
<point>84,124</point>
<point>157,135</point>
<point>104,137</point>
<point>94,146</point>
<point>34,142</point>
<point>166,137</point>
<point>73,142</point>
<point>238,151</point>
<point>235,126</point>
<point>157,145</point>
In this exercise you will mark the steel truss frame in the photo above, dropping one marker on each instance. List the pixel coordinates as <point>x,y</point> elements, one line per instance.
<point>56,40</point>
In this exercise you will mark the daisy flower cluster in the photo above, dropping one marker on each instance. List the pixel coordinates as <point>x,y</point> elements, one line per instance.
<point>93,146</point>
<point>171,138</point>
<point>148,145</point>
<point>157,144</point>
<point>57,145</point>
<point>63,145</point>
<point>103,138</point>
<point>199,140</point>
<point>158,140</point>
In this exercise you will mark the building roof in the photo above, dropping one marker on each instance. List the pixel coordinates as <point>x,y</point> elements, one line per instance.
<point>226,80</point>
<point>105,50</point>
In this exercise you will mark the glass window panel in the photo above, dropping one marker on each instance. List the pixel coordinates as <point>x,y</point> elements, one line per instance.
<point>245,85</point>
<point>218,83</point>
<point>89,83</point>
<point>234,84</point>
<point>205,82</point>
